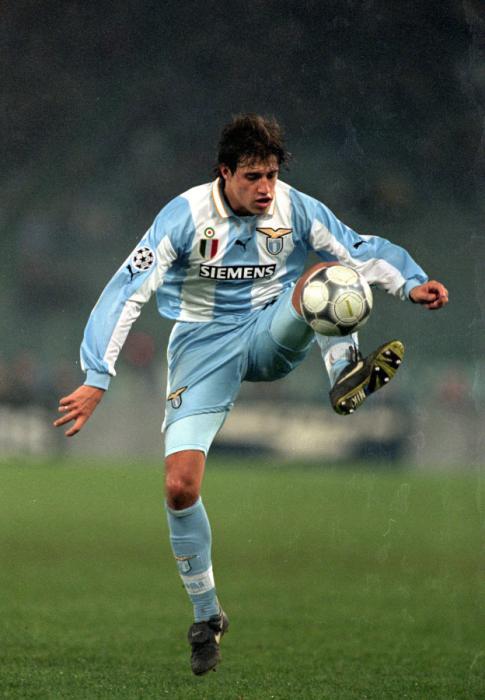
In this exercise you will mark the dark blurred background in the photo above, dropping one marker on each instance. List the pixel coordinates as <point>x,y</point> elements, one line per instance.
<point>108,110</point>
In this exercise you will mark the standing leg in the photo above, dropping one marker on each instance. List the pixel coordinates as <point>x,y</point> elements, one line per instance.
<point>190,532</point>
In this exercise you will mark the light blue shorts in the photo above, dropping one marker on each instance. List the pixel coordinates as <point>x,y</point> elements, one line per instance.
<point>207,362</point>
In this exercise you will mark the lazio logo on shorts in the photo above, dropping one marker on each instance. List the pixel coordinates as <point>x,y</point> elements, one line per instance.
<point>176,397</point>
<point>274,238</point>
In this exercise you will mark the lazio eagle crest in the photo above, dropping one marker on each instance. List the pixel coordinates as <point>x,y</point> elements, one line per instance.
<point>274,238</point>
<point>176,397</point>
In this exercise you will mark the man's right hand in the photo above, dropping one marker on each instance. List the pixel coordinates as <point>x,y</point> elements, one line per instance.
<point>78,407</point>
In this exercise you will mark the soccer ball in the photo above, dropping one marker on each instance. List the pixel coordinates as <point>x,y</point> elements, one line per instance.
<point>336,300</point>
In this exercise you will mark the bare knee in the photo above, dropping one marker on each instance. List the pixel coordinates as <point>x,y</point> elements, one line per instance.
<point>183,478</point>
<point>181,492</point>
<point>296,297</point>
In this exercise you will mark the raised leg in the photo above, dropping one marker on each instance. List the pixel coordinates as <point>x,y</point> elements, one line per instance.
<point>353,378</point>
<point>290,330</point>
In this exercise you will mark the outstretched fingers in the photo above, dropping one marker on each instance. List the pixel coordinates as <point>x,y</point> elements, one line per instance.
<point>78,407</point>
<point>73,415</point>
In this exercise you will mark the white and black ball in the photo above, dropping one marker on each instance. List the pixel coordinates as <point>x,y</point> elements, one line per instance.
<point>336,300</point>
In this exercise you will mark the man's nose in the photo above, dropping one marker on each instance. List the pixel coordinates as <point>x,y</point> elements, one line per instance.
<point>263,185</point>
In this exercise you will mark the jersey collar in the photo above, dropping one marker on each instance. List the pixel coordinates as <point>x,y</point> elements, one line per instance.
<point>223,208</point>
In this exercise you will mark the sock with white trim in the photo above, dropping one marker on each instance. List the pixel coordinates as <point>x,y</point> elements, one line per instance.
<point>190,537</point>
<point>335,352</point>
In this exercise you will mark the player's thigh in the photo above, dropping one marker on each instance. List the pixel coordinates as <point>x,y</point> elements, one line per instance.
<point>281,340</point>
<point>286,326</point>
<point>193,433</point>
<point>206,363</point>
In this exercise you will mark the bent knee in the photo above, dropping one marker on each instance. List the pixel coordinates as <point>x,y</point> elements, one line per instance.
<point>181,493</point>
<point>314,268</point>
<point>296,298</point>
<point>183,478</point>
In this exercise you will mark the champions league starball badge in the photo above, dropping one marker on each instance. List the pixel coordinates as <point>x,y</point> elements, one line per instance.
<point>143,258</point>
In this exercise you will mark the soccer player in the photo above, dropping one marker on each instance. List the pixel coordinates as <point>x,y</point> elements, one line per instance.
<point>227,263</point>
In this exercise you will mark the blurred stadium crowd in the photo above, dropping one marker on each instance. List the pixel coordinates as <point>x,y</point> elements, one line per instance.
<point>107,116</point>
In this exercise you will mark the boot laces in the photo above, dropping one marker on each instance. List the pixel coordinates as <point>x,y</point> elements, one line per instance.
<point>354,354</point>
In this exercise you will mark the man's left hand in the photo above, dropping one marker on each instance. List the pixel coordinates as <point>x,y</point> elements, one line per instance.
<point>431,294</point>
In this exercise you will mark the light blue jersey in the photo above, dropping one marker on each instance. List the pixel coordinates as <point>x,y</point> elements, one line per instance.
<point>203,262</point>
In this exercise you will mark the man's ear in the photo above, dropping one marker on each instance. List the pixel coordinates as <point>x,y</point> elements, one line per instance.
<point>224,171</point>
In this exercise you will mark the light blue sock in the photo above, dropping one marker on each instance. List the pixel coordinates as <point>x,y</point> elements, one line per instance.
<point>190,537</point>
<point>335,352</point>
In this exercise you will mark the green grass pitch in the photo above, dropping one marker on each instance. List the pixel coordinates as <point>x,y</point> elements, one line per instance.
<point>338,584</point>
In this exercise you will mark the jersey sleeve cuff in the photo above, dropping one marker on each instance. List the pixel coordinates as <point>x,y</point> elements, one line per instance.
<point>98,379</point>
<point>408,288</point>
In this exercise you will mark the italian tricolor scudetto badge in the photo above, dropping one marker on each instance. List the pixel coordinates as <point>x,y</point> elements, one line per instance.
<point>208,248</point>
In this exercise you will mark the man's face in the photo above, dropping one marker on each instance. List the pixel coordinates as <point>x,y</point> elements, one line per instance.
<point>250,189</point>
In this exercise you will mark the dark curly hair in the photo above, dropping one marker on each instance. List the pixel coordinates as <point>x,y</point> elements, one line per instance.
<point>250,137</point>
